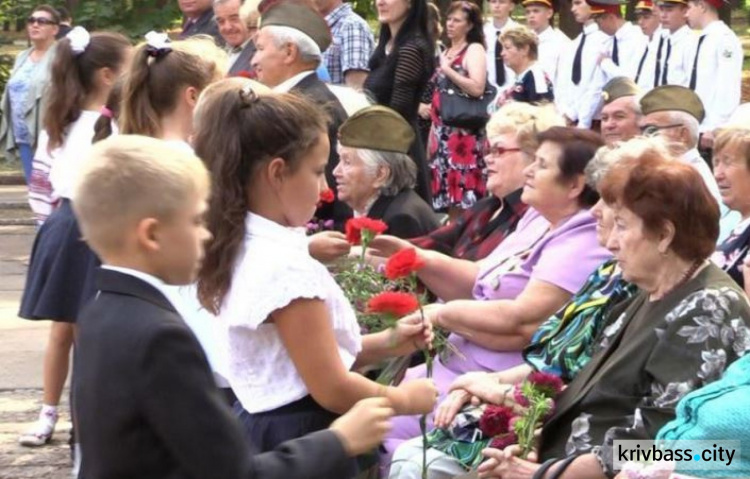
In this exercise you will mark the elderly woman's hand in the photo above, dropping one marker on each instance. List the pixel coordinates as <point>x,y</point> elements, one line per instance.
<point>506,464</point>
<point>451,405</point>
<point>328,246</point>
<point>486,387</point>
<point>385,246</point>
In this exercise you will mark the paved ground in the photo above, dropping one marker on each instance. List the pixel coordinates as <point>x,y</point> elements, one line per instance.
<point>21,350</point>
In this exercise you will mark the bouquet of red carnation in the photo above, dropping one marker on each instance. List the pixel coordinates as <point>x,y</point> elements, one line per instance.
<point>316,225</point>
<point>537,394</point>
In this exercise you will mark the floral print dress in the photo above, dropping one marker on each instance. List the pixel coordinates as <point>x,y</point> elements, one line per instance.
<point>456,160</point>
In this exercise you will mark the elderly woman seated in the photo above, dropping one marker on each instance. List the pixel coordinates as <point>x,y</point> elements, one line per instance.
<point>510,148</point>
<point>732,172</point>
<point>561,346</point>
<point>375,175</point>
<point>494,306</point>
<point>685,326</point>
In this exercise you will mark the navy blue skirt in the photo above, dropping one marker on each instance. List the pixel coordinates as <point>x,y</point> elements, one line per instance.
<point>60,279</point>
<point>266,430</point>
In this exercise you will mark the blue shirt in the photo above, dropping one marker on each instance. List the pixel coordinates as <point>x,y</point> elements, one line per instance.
<point>18,93</point>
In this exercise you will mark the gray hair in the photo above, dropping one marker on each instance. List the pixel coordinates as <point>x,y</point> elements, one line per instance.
<point>402,169</point>
<point>690,122</point>
<point>309,51</point>
<point>607,156</point>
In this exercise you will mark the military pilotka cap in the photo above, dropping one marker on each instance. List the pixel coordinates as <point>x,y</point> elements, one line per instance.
<point>618,88</point>
<point>377,128</point>
<point>673,98</point>
<point>300,17</point>
<point>671,2</point>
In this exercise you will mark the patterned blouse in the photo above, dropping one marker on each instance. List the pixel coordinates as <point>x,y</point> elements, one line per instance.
<point>475,234</point>
<point>563,344</point>
<point>732,251</point>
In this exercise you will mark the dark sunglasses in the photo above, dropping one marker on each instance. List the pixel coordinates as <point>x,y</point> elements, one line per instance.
<point>40,21</point>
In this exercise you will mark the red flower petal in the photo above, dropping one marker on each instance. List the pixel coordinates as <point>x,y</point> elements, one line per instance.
<point>402,264</point>
<point>394,303</point>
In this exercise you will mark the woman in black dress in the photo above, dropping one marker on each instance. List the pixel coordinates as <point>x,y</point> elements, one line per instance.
<point>401,67</point>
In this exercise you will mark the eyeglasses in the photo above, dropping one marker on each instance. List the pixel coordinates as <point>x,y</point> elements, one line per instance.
<point>40,21</point>
<point>497,150</point>
<point>651,130</point>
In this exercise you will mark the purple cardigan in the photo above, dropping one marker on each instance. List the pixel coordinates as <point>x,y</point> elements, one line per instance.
<point>564,257</point>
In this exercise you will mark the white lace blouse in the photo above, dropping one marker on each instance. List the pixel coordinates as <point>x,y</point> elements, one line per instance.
<point>273,269</point>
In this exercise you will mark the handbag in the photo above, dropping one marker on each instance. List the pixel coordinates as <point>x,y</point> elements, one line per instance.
<point>460,110</point>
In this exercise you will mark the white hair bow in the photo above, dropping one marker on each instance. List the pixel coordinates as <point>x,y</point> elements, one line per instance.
<point>158,42</point>
<point>79,39</point>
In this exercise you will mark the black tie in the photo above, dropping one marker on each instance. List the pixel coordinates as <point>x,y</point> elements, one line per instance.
<point>640,64</point>
<point>576,77</point>
<point>694,73</point>
<point>615,52</point>
<point>657,74</point>
<point>499,64</point>
<point>665,72</point>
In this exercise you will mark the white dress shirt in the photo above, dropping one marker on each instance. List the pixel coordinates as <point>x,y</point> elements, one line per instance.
<point>645,80</point>
<point>677,56</point>
<point>273,269</point>
<point>552,44</point>
<point>718,74</point>
<point>630,45</point>
<point>490,37</point>
<point>582,102</point>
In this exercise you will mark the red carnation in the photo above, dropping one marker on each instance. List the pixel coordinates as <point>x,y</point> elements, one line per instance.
<point>247,74</point>
<point>327,196</point>
<point>547,384</point>
<point>495,420</point>
<point>355,227</point>
<point>503,441</point>
<point>402,264</point>
<point>393,303</point>
<point>519,397</point>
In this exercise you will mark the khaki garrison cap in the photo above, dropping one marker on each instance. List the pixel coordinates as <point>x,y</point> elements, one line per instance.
<point>618,88</point>
<point>377,128</point>
<point>673,98</point>
<point>299,17</point>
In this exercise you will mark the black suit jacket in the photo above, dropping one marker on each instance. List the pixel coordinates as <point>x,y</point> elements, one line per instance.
<point>406,214</point>
<point>205,25</point>
<point>242,63</point>
<point>318,92</point>
<point>147,407</point>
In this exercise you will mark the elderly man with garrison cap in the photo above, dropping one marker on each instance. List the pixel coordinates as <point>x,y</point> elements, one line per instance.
<point>674,113</point>
<point>621,111</point>
<point>290,43</point>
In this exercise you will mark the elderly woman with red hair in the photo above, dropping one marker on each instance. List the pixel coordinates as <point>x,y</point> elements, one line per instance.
<point>687,324</point>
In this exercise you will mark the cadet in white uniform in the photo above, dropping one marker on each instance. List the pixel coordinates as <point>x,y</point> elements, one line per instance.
<point>580,78</point>
<point>650,25</point>
<point>500,21</point>
<point>678,48</point>
<point>626,41</point>
<point>716,75</point>
<point>552,42</point>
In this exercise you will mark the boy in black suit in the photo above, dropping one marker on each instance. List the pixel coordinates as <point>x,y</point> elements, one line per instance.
<point>145,401</point>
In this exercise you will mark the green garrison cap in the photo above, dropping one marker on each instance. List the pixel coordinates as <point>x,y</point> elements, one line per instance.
<point>618,88</point>
<point>300,17</point>
<point>673,98</point>
<point>377,128</point>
